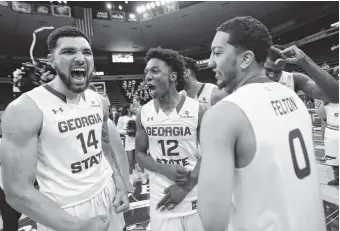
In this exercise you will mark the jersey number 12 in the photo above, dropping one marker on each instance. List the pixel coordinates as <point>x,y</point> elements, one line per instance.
<point>169,148</point>
<point>91,140</point>
<point>304,172</point>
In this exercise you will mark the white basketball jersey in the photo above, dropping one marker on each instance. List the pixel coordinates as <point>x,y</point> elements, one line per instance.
<point>287,79</point>
<point>71,168</point>
<point>279,189</point>
<point>332,112</point>
<point>204,94</point>
<point>172,140</point>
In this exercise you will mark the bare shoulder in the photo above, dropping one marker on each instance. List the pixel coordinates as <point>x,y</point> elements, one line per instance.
<point>225,116</point>
<point>22,117</point>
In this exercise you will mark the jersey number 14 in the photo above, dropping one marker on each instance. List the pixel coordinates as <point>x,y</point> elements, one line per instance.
<point>91,140</point>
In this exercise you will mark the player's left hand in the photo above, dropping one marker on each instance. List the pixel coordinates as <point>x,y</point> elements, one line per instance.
<point>121,202</point>
<point>292,55</point>
<point>174,195</point>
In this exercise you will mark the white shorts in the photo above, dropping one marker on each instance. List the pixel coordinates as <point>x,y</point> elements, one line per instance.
<point>102,204</point>
<point>186,223</point>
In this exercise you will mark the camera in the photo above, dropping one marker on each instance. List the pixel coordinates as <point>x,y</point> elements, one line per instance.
<point>32,73</point>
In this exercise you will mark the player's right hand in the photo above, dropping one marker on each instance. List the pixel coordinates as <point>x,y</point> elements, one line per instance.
<point>98,223</point>
<point>177,173</point>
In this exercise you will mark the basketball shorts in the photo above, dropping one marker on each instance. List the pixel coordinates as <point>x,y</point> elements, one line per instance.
<point>186,223</point>
<point>102,204</point>
<point>332,143</point>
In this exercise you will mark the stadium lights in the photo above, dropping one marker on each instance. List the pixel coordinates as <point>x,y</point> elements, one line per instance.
<point>142,8</point>
<point>335,24</point>
<point>120,7</point>
<point>108,6</point>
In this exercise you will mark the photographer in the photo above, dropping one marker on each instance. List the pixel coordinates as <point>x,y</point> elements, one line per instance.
<point>30,76</point>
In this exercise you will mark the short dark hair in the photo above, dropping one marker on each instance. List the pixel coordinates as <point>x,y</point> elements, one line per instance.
<point>191,64</point>
<point>65,31</point>
<point>170,57</point>
<point>248,33</point>
<point>272,55</point>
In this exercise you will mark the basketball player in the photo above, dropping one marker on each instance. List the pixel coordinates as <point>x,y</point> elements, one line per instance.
<point>61,146</point>
<point>258,164</point>
<point>331,138</point>
<point>168,126</point>
<point>206,93</point>
<point>321,85</point>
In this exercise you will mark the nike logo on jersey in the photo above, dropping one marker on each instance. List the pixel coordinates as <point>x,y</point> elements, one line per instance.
<point>87,163</point>
<point>73,124</point>
<point>168,131</point>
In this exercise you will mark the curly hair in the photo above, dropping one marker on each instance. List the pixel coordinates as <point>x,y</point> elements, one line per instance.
<point>170,57</point>
<point>61,32</point>
<point>191,64</point>
<point>272,55</point>
<point>248,33</point>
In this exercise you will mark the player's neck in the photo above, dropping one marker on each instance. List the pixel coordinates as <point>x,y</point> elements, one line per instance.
<point>169,100</point>
<point>192,87</point>
<point>59,86</point>
<point>255,76</point>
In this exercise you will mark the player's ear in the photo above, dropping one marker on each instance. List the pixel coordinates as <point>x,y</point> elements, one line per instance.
<point>173,76</point>
<point>51,59</point>
<point>186,73</point>
<point>246,58</point>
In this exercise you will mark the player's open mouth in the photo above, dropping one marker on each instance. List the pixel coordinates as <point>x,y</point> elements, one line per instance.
<point>78,74</point>
<point>151,87</point>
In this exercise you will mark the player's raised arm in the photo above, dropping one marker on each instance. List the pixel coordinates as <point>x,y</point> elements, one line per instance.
<point>219,132</point>
<point>322,85</point>
<point>21,124</point>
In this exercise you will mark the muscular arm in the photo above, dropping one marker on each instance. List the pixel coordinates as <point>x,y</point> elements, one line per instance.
<point>108,150</point>
<point>19,166</point>
<point>119,151</point>
<point>219,133</point>
<point>322,85</point>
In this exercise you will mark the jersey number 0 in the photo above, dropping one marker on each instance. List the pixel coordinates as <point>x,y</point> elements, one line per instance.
<point>304,172</point>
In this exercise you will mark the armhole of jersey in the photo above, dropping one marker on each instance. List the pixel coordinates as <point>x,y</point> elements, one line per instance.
<point>41,111</point>
<point>200,90</point>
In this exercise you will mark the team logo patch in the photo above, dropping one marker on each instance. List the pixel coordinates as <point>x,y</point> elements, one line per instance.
<point>194,205</point>
<point>186,115</point>
<point>93,104</point>
<point>204,100</point>
<point>55,111</point>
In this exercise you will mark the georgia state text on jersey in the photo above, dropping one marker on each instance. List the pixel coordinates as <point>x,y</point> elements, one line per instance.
<point>172,140</point>
<point>71,168</point>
